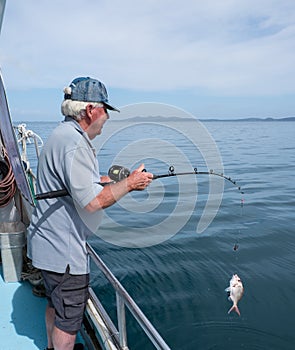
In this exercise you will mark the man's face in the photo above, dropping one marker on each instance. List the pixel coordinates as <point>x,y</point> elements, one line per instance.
<point>99,116</point>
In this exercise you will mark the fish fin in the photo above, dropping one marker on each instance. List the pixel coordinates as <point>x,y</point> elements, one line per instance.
<point>234,308</point>
<point>227,289</point>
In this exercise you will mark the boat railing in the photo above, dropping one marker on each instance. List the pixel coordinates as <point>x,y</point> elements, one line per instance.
<point>124,299</point>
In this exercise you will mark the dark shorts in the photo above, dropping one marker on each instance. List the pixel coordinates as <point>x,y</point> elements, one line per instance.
<point>68,295</point>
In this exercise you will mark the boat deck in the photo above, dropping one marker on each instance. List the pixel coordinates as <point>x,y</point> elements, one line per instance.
<point>22,317</point>
<point>22,324</point>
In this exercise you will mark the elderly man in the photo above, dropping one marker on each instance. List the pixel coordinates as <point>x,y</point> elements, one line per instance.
<point>60,226</point>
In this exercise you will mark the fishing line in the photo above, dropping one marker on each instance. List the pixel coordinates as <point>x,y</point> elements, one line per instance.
<point>236,245</point>
<point>171,172</point>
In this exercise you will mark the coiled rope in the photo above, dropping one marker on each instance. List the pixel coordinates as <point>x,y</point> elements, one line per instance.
<point>7,180</point>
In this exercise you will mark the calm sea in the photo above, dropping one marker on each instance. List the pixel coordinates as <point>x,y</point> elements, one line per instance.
<point>178,274</point>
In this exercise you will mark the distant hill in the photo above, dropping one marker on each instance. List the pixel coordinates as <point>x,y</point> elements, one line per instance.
<point>151,119</point>
<point>252,119</point>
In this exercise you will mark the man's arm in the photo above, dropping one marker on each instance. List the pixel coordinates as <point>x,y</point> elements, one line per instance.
<point>110,194</point>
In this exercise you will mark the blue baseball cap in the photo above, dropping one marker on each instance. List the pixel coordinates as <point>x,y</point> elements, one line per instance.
<point>89,90</point>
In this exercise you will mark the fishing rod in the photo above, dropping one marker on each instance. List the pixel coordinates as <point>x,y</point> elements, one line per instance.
<point>171,172</point>
<point>117,173</point>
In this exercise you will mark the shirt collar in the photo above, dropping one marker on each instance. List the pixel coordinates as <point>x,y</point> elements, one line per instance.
<point>77,126</point>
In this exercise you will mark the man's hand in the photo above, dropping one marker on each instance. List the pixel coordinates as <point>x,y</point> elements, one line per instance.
<point>105,179</point>
<point>138,180</point>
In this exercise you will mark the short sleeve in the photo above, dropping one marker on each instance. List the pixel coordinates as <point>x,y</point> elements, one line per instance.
<point>82,175</point>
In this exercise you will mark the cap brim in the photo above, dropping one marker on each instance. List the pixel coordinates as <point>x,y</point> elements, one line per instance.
<point>111,107</point>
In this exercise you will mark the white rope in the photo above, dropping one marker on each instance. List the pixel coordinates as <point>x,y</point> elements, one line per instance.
<point>26,135</point>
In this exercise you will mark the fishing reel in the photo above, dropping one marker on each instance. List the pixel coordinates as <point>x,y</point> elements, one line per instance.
<point>118,173</point>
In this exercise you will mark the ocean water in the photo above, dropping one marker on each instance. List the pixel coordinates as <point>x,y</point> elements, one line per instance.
<point>176,270</point>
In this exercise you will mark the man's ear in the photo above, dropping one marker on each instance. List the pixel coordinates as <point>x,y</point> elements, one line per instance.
<point>88,110</point>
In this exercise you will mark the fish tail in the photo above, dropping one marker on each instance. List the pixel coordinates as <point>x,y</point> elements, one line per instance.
<point>234,308</point>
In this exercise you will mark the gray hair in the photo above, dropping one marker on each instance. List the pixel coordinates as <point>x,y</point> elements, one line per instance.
<point>76,109</point>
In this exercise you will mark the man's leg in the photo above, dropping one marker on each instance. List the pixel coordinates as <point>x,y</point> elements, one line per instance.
<point>49,318</point>
<point>67,295</point>
<point>63,340</point>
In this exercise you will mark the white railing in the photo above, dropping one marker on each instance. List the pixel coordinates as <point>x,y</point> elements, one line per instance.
<point>124,299</point>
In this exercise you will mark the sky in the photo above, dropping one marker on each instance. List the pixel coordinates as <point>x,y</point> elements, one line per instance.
<point>214,59</point>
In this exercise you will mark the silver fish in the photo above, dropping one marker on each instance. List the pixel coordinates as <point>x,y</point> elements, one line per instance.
<point>235,291</point>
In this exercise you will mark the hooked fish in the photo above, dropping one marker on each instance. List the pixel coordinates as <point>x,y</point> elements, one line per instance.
<point>235,291</point>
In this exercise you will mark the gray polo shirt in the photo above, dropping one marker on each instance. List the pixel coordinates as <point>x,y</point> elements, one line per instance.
<point>60,226</point>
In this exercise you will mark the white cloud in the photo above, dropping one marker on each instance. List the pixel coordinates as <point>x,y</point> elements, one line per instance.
<point>234,47</point>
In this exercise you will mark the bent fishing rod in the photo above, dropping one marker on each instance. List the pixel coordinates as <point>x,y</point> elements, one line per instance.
<point>117,173</point>
<point>171,172</point>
